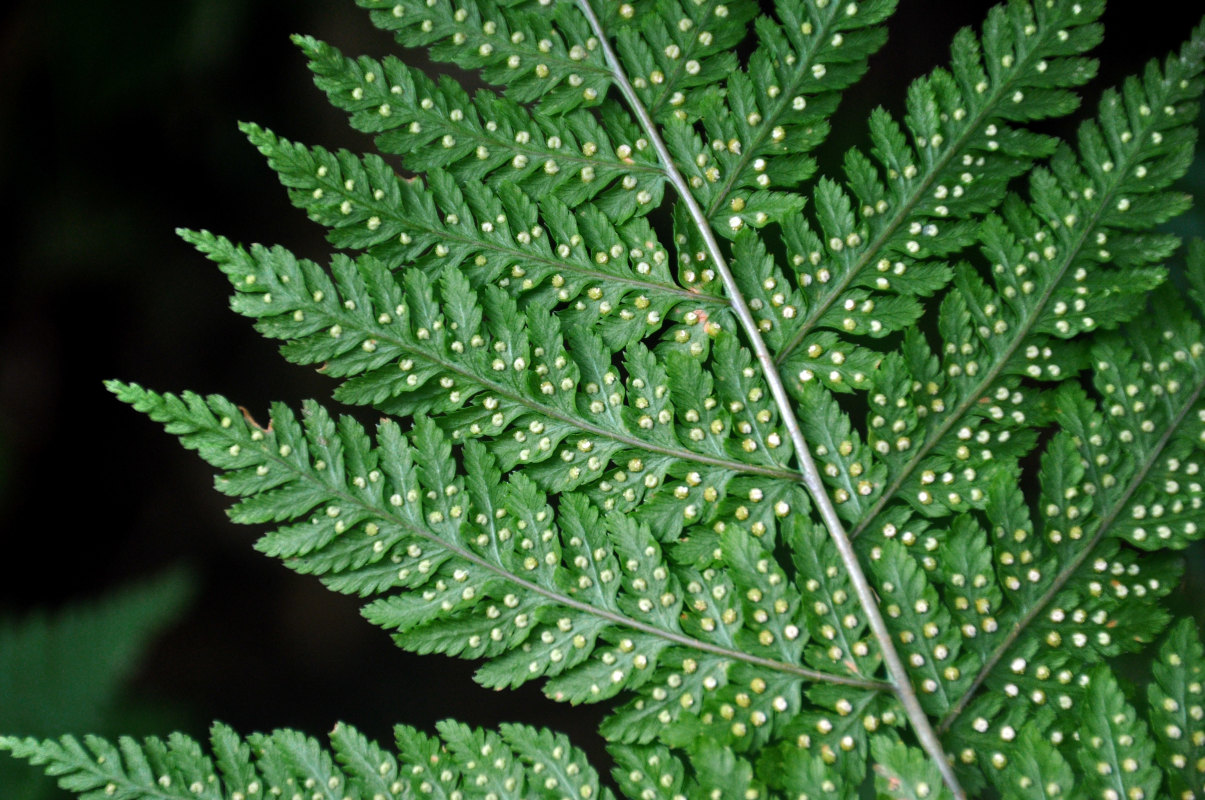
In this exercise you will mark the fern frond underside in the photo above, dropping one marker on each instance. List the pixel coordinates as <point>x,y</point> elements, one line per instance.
<point>660,398</point>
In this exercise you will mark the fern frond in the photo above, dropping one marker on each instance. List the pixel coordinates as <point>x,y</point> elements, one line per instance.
<point>552,404</point>
<point>574,260</point>
<point>869,477</point>
<point>1050,284</point>
<point>1040,770</point>
<point>1175,697</point>
<point>902,773</point>
<point>38,651</point>
<point>491,139</point>
<point>649,772</point>
<point>680,52</point>
<point>769,114</point>
<point>478,569</point>
<point>923,199</point>
<point>1075,596</point>
<point>515,762</point>
<point>1117,750</point>
<point>541,51</point>
<point>66,669</point>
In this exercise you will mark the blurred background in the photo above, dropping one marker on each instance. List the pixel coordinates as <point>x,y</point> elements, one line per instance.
<point>117,124</point>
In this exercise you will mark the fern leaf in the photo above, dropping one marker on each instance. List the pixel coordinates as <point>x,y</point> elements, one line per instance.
<point>113,631</point>
<point>680,51</point>
<point>966,145</point>
<point>722,773</point>
<point>558,768</point>
<point>538,764</point>
<point>1117,751</point>
<point>902,773</point>
<point>540,51</point>
<point>556,257</point>
<point>758,130</point>
<point>537,397</point>
<point>822,482</point>
<point>651,772</point>
<point>1081,588</point>
<point>488,138</point>
<point>1175,698</point>
<point>976,399</point>
<point>470,580</point>
<point>1041,771</point>
<point>794,771</point>
<point>45,684</point>
<point>931,643</point>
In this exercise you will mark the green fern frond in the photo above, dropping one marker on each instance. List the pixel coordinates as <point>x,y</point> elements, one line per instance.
<point>1040,770</point>
<point>1074,592</point>
<point>516,761</point>
<point>1049,285</point>
<point>901,773</point>
<point>1176,718</point>
<point>759,122</point>
<point>493,564</point>
<point>490,139</point>
<point>1117,752</point>
<point>561,258</point>
<point>813,480</point>
<point>923,199</point>
<point>114,631</point>
<point>539,51</point>
<point>552,402</point>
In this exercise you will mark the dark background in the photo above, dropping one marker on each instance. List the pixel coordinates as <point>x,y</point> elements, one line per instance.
<point>117,124</point>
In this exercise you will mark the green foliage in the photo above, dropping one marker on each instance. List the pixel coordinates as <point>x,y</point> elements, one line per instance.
<point>518,761</point>
<point>65,670</point>
<point>821,478</point>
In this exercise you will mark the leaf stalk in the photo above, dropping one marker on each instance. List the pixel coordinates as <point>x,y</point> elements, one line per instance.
<point>808,471</point>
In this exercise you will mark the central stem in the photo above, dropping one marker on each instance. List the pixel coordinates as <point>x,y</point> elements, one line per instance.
<point>809,473</point>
